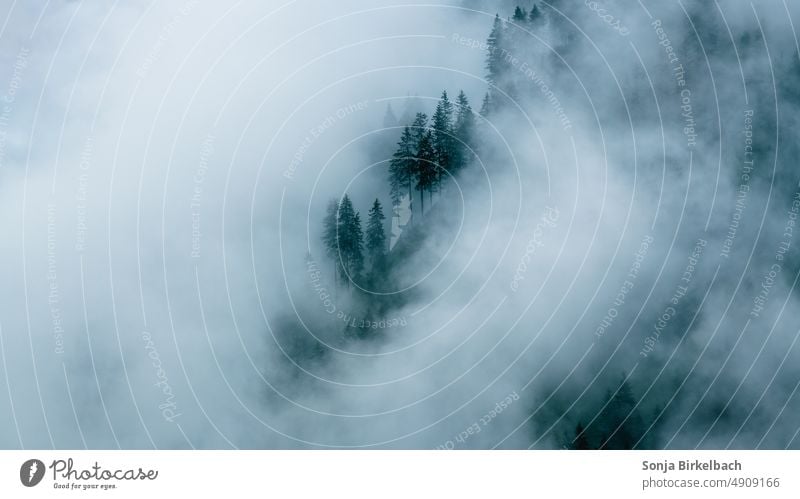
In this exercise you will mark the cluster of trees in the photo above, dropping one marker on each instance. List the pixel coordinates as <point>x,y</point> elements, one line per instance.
<point>504,44</point>
<point>618,425</point>
<point>345,242</point>
<point>429,151</point>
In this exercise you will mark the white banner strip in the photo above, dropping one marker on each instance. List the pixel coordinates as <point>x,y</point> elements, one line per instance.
<point>399,474</point>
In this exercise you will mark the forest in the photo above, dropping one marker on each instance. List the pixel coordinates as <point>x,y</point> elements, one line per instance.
<point>431,154</point>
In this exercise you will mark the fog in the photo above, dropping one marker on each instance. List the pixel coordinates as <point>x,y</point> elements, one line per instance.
<point>165,171</point>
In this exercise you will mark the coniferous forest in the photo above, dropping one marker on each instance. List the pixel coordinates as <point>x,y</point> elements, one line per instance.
<point>435,149</point>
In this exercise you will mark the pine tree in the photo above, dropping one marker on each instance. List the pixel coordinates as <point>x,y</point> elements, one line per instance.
<point>330,239</point>
<point>486,105</point>
<point>621,422</point>
<point>463,130</point>
<point>418,128</point>
<point>520,15</point>
<point>356,247</point>
<point>535,15</point>
<point>350,239</point>
<point>402,167</point>
<point>426,168</point>
<point>495,56</point>
<point>376,236</point>
<point>442,138</point>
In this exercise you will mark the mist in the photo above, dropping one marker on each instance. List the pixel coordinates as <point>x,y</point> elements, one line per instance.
<point>618,255</point>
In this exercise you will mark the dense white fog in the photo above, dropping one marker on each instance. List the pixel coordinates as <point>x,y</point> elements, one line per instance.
<point>628,214</point>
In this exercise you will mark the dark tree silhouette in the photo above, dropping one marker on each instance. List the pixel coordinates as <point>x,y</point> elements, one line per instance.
<point>495,57</point>
<point>463,130</point>
<point>330,238</point>
<point>402,168</point>
<point>442,139</point>
<point>520,15</point>
<point>486,105</point>
<point>426,168</point>
<point>535,15</point>
<point>376,236</point>
<point>620,423</point>
<point>350,241</point>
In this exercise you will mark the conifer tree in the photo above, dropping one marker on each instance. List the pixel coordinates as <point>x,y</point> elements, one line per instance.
<point>418,128</point>
<point>463,129</point>
<point>442,138</point>
<point>356,247</point>
<point>520,15</point>
<point>402,167</point>
<point>350,240</point>
<point>330,239</point>
<point>535,15</point>
<point>329,226</point>
<point>486,105</point>
<point>426,168</point>
<point>495,56</point>
<point>376,236</point>
<point>620,422</point>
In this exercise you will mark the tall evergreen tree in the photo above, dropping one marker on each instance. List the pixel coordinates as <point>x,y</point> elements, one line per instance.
<point>356,247</point>
<point>442,138</point>
<point>463,130</point>
<point>418,128</point>
<point>535,15</point>
<point>520,15</point>
<point>402,168</point>
<point>329,227</point>
<point>330,239</point>
<point>486,105</point>
<point>620,423</point>
<point>350,240</point>
<point>376,236</point>
<point>426,168</point>
<point>495,56</point>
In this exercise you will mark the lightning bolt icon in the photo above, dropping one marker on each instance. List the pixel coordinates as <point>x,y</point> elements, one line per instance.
<point>32,471</point>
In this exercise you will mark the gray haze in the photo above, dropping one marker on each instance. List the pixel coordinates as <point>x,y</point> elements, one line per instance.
<point>165,169</point>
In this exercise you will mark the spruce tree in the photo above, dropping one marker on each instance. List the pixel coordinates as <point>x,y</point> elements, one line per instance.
<point>356,247</point>
<point>464,129</point>
<point>330,239</point>
<point>495,56</point>
<point>442,138</point>
<point>486,105</point>
<point>350,239</point>
<point>535,15</point>
<point>520,15</point>
<point>621,423</point>
<point>418,128</point>
<point>426,168</point>
<point>376,236</point>
<point>402,167</point>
